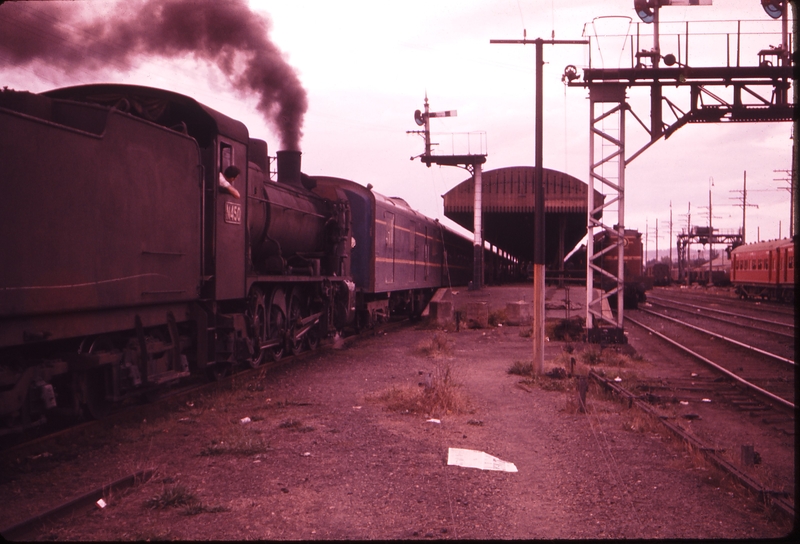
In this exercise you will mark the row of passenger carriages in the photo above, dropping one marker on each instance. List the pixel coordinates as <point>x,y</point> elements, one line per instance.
<point>764,270</point>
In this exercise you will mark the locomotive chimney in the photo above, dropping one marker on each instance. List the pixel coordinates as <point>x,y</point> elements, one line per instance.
<point>289,167</point>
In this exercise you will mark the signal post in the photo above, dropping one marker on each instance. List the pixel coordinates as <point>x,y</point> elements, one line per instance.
<point>472,163</point>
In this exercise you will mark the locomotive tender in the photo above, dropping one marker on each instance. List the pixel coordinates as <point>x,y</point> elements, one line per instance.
<point>133,255</point>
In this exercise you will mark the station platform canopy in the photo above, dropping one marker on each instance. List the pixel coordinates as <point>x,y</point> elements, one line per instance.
<point>508,204</point>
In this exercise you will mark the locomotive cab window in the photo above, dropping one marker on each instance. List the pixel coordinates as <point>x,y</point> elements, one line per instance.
<point>225,156</point>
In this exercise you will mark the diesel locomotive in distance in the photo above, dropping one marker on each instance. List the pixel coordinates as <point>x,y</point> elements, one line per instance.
<point>635,283</point>
<point>144,241</point>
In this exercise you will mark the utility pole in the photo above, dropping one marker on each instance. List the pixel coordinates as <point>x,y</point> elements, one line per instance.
<point>538,228</point>
<point>710,243</point>
<point>744,206</point>
<point>688,251</point>
<point>656,239</point>
<point>670,239</point>
<point>790,188</point>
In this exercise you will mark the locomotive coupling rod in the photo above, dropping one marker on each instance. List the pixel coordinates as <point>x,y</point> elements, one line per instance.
<point>270,343</point>
<point>305,325</point>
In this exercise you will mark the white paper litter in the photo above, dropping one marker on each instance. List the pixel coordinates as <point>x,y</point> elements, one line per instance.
<point>477,459</point>
<point>101,503</point>
<point>433,421</point>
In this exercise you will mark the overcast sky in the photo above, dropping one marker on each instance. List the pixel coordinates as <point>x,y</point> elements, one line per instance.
<point>366,67</point>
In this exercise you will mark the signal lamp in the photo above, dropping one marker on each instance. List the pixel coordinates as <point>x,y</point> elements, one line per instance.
<point>774,8</point>
<point>644,9</point>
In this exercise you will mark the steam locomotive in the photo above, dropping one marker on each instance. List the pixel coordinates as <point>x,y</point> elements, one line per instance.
<point>143,241</point>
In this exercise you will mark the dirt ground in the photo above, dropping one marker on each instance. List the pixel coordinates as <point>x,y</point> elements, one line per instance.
<point>335,449</point>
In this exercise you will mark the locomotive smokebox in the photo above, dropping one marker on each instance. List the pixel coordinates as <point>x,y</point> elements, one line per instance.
<point>289,167</point>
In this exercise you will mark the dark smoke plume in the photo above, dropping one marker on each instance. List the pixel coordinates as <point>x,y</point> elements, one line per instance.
<point>225,33</point>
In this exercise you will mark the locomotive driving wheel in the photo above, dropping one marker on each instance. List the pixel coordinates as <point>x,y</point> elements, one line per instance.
<point>276,324</point>
<point>312,338</point>
<point>297,310</point>
<point>268,320</point>
<point>258,316</point>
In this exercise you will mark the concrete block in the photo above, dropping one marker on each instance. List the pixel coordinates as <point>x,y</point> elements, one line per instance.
<point>441,312</point>
<point>519,313</point>
<point>443,293</point>
<point>477,315</point>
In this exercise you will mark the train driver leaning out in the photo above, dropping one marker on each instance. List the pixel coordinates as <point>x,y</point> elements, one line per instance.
<point>227,178</point>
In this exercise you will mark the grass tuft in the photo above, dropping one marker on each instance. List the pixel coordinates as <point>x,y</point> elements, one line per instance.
<point>497,317</point>
<point>171,497</point>
<point>438,346</point>
<point>439,395</point>
<point>521,368</point>
<point>179,496</point>
<point>565,330</point>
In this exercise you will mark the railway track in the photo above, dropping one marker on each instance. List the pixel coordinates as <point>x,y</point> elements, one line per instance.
<point>763,373</point>
<point>746,395</point>
<point>727,299</point>
<point>781,501</point>
<point>776,327</point>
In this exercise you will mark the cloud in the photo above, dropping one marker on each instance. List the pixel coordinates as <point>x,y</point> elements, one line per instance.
<point>226,34</point>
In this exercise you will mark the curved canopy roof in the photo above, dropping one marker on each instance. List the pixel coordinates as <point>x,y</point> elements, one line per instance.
<point>508,204</point>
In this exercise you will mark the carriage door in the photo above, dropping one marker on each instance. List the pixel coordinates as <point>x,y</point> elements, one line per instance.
<point>426,253</point>
<point>413,249</point>
<point>389,222</point>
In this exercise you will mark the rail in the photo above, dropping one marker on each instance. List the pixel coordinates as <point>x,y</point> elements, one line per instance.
<point>751,386</point>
